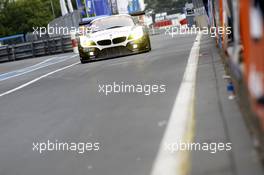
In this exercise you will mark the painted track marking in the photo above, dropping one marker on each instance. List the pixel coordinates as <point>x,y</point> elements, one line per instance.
<point>43,64</point>
<point>36,79</point>
<point>173,162</point>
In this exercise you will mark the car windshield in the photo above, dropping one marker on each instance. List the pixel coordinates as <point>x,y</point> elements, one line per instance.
<point>111,22</point>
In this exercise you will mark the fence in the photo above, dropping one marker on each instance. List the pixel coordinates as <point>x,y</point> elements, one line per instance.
<point>37,48</point>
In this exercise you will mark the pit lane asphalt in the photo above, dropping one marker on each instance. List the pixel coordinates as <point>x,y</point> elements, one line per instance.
<point>67,107</point>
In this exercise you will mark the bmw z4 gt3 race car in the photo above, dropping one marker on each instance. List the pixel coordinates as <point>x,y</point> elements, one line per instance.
<point>113,36</point>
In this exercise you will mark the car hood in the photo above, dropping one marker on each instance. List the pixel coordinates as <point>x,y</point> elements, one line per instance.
<point>112,33</point>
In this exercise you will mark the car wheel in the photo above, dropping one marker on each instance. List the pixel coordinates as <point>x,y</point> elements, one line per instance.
<point>82,61</point>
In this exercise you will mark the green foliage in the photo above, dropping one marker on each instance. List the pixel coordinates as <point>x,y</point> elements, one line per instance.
<point>22,15</point>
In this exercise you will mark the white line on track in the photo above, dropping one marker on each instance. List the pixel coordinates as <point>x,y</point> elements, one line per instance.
<point>35,67</point>
<point>36,79</point>
<point>170,162</point>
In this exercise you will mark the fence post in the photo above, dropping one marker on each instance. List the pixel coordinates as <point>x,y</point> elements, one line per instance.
<point>13,53</point>
<point>53,46</point>
<point>44,46</point>
<point>8,53</point>
<point>33,49</point>
<point>48,44</point>
<point>62,44</point>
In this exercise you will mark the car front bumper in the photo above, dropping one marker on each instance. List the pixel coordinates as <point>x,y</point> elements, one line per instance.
<point>112,51</point>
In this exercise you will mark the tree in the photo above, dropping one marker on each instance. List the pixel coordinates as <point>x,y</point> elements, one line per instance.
<point>22,15</point>
<point>3,3</point>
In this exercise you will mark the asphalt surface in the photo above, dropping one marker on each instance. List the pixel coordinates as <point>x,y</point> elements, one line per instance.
<point>219,120</point>
<point>56,99</point>
<point>67,107</point>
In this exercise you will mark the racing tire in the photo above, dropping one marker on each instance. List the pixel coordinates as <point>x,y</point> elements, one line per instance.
<point>82,61</point>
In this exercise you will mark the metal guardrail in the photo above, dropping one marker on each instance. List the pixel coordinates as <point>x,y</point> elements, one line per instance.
<point>43,47</point>
<point>34,49</point>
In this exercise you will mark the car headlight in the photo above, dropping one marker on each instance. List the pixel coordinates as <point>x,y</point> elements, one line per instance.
<point>86,42</point>
<point>137,33</point>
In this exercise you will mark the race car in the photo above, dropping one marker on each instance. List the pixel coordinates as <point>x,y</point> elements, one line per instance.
<point>112,36</point>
